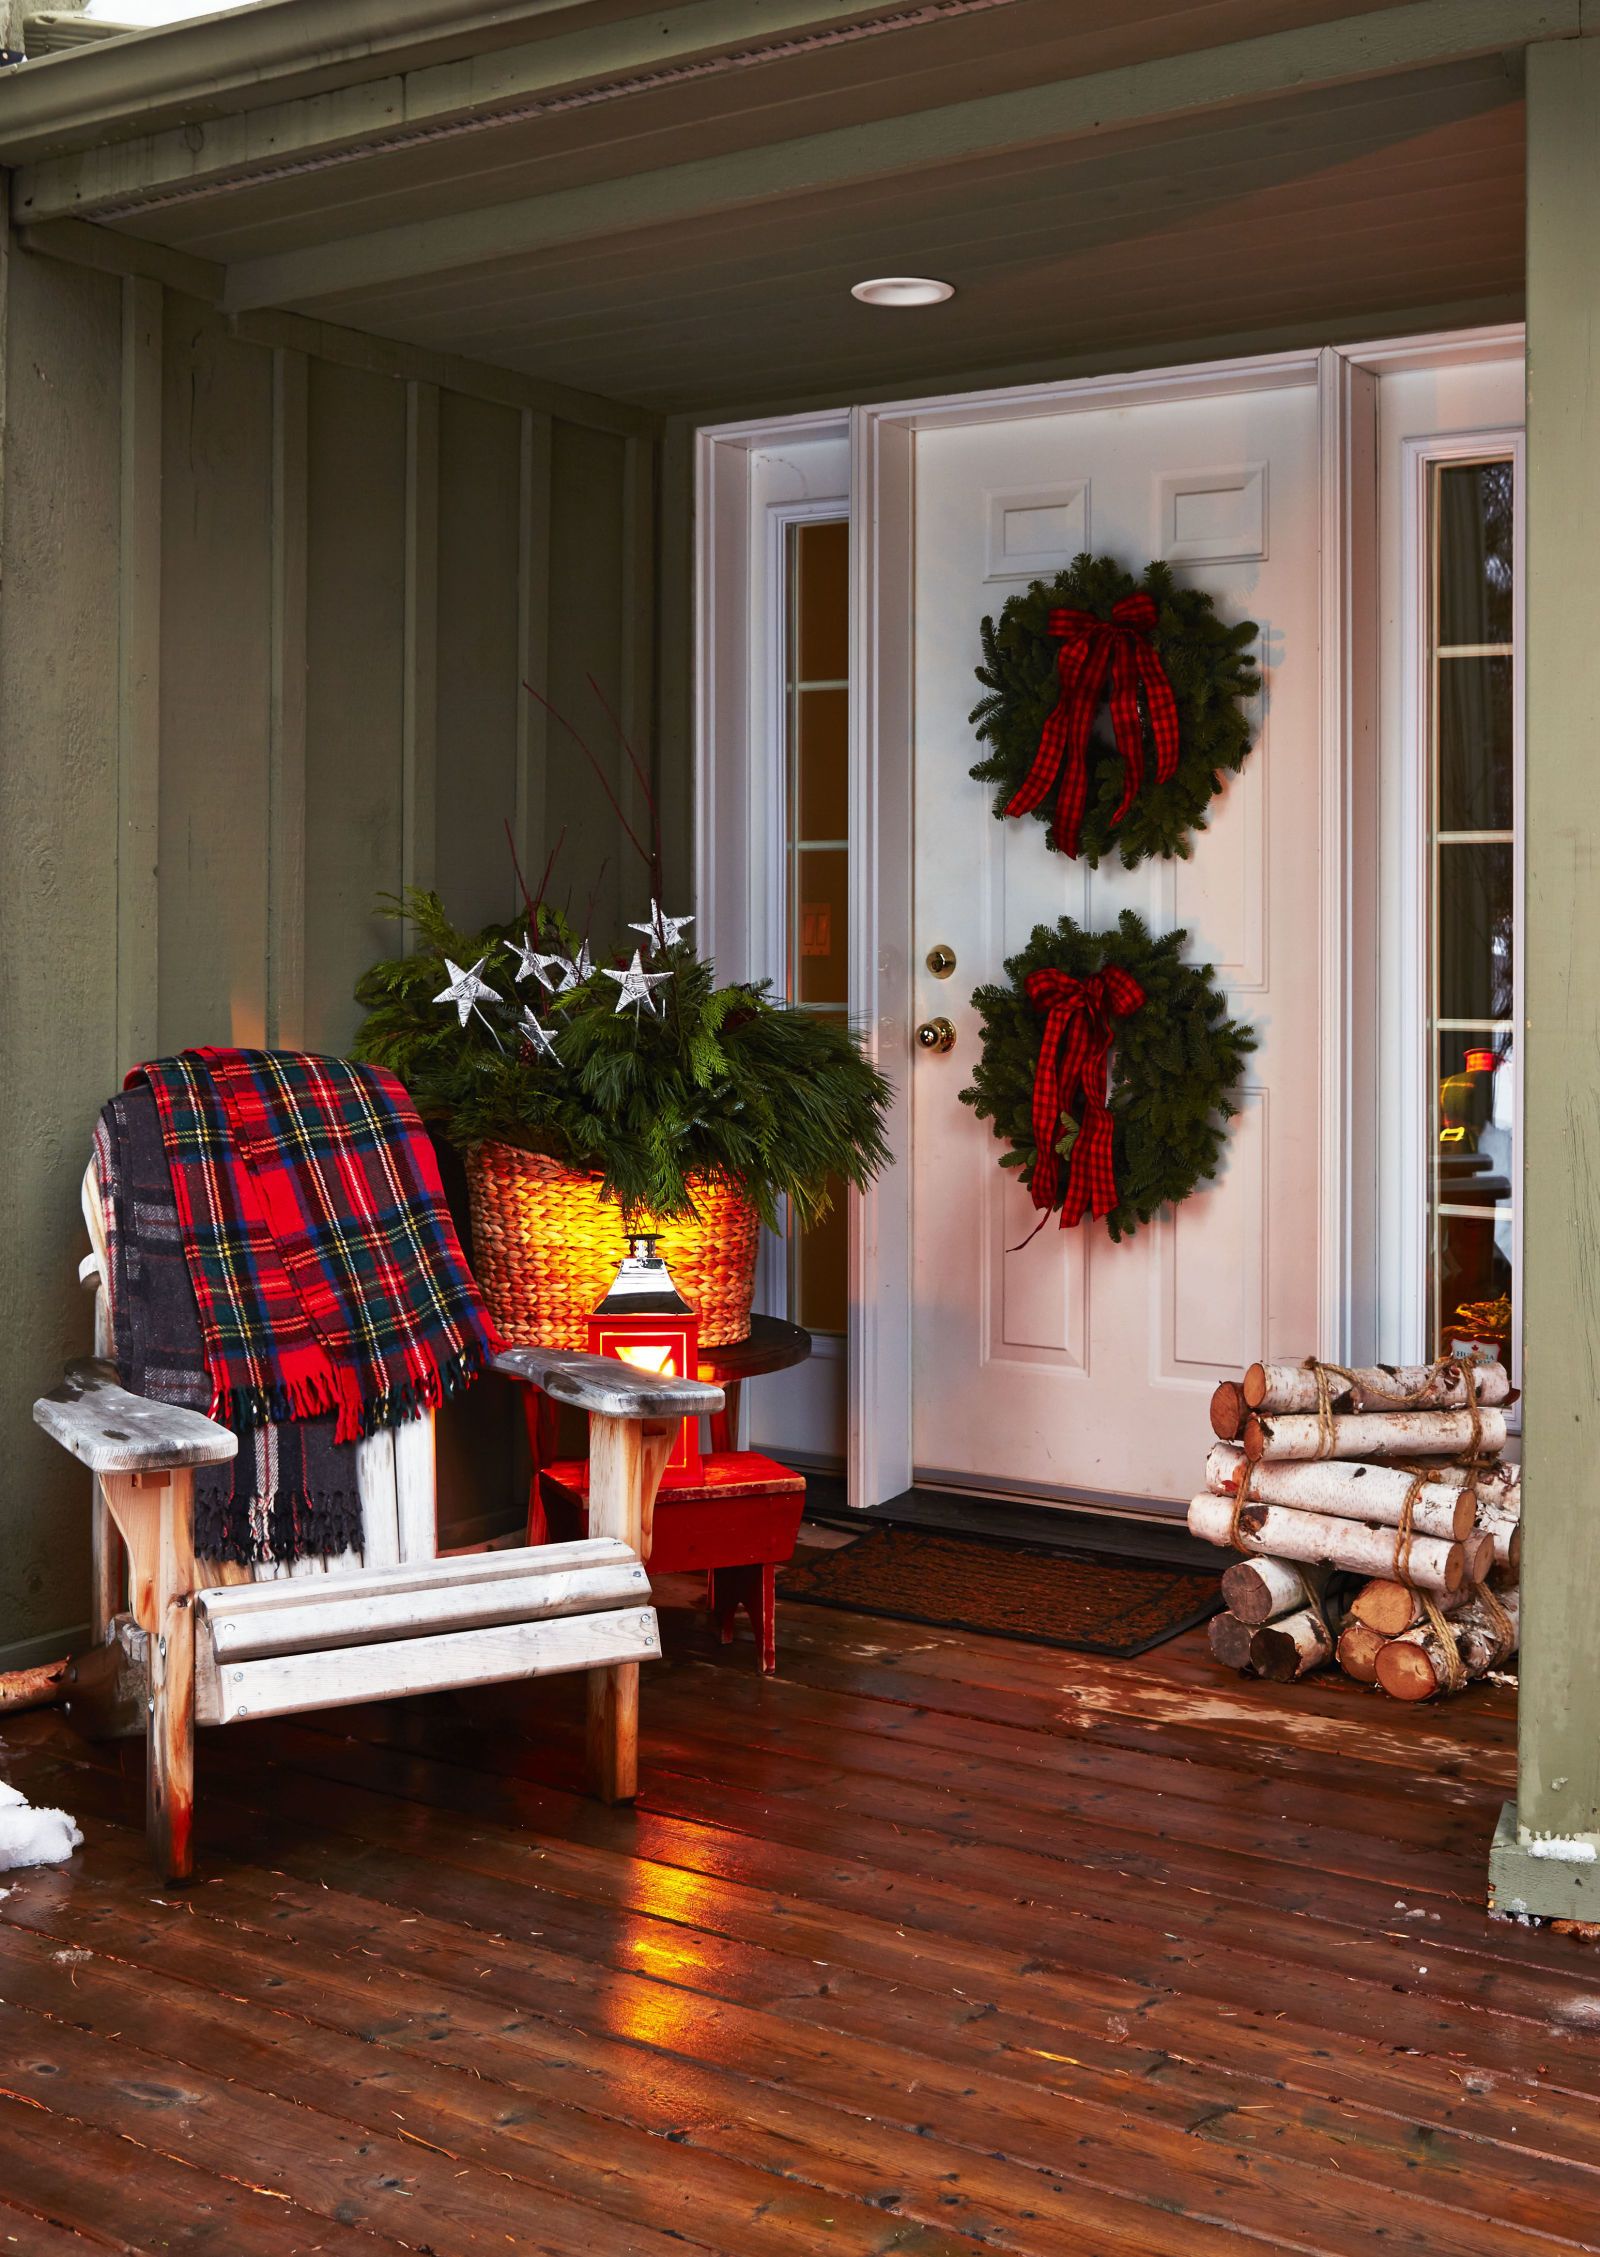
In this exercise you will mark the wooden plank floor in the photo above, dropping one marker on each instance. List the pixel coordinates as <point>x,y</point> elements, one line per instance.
<point>931,1944</point>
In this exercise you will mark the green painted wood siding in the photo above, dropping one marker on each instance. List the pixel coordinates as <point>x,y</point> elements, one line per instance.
<point>264,627</point>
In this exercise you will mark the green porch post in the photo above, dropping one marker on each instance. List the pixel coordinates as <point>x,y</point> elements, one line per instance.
<point>1546,1856</point>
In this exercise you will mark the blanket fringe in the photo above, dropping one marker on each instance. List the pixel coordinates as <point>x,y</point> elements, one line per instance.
<point>289,1525</point>
<point>314,1396</point>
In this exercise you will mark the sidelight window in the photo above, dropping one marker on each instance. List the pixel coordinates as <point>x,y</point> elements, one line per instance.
<point>1473,877</point>
<point>817,853</point>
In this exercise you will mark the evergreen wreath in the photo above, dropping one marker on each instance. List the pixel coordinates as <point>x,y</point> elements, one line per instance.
<point>1178,1057</point>
<point>1211,670</point>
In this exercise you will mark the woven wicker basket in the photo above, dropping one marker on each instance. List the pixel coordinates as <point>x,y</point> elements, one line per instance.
<point>546,1246</point>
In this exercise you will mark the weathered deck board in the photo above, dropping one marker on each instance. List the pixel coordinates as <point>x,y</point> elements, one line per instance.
<point>928,1944</point>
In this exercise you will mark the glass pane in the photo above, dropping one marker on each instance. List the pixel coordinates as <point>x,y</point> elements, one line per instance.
<point>1473,598</point>
<point>1473,1106</point>
<point>822,602</point>
<point>823,728</point>
<point>1475,744</point>
<point>821,909</point>
<point>822,1262</point>
<point>1472,1291</point>
<point>1474,927</point>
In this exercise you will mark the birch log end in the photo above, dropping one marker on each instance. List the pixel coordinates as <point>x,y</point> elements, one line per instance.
<point>1230,1641</point>
<point>1258,1591</point>
<point>1392,1608</point>
<point>1293,1646</point>
<point>1227,1410</point>
<point>1358,1651</point>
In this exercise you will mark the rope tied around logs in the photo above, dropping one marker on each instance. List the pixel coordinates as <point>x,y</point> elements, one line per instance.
<point>1241,1498</point>
<point>1455,1669</point>
<point>1415,1398</point>
<point>1405,1533</point>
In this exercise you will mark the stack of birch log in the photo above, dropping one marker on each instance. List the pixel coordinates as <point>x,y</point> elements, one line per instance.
<point>1378,1519</point>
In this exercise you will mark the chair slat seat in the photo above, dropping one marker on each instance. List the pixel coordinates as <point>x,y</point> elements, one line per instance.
<point>531,1585</point>
<point>234,1692</point>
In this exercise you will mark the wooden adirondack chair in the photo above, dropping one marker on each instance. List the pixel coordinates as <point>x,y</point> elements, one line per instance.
<point>213,1643</point>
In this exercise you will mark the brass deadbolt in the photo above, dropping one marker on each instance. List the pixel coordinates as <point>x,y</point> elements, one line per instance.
<point>937,1035</point>
<point>941,961</point>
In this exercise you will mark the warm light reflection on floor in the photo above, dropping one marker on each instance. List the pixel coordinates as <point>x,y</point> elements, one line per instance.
<point>661,2012</point>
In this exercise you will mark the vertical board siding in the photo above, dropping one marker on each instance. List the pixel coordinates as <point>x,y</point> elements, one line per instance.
<point>266,621</point>
<point>58,891</point>
<point>420,689</point>
<point>533,645</point>
<point>215,705</point>
<point>286,744</point>
<point>137,971</point>
<point>479,648</point>
<point>355,685</point>
<point>588,586</point>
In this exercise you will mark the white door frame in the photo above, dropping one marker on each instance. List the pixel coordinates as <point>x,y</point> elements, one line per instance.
<point>882,942</point>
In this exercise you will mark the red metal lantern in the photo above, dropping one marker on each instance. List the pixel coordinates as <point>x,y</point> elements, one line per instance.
<point>645,1321</point>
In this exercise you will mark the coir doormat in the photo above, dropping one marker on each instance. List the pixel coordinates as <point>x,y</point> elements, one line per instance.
<point>1092,1605</point>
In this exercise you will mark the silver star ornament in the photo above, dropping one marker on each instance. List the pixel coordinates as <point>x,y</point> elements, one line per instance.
<point>466,990</point>
<point>553,973</point>
<point>662,931</point>
<point>532,1030</point>
<point>636,984</point>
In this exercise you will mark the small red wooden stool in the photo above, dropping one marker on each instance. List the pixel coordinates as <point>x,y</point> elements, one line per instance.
<point>739,1522</point>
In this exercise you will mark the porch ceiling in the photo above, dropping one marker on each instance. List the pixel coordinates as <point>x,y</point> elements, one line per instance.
<point>668,207</point>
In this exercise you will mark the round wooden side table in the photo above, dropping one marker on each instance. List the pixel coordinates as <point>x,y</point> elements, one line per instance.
<point>773,1344</point>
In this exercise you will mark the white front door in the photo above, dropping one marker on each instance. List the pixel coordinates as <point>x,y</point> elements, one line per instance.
<point>1068,1364</point>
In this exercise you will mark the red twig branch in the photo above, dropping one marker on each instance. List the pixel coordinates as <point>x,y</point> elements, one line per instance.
<point>604,781</point>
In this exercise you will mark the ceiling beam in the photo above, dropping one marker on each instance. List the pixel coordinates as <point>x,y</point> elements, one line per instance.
<point>1421,35</point>
<point>594,63</point>
<point>235,61</point>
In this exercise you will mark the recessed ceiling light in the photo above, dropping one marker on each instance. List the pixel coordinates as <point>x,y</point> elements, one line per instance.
<point>903,290</point>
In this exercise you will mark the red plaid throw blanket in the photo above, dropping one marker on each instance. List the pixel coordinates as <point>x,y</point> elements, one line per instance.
<point>324,1262</point>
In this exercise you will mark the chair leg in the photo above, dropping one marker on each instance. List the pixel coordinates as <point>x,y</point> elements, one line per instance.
<point>767,1618</point>
<point>755,1589</point>
<point>540,1416</point>
<point>613,1748</point>
<point>169,1743</point>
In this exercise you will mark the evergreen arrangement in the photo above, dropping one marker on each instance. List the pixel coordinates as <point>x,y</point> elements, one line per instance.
<point>1175,1064</point>
<point>693,1080</point>
<point>1212,673</point>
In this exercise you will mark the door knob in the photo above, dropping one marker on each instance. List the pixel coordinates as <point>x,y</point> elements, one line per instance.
<point>937,1035</point>
<point>941,961</point>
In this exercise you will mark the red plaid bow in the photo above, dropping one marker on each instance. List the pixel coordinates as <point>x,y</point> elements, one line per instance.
<point>1073,1056</point>
<point>1093,649</point>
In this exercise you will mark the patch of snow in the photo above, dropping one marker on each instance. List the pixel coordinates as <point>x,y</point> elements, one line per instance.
<point>33,1837</point>
<point>1571,1849</point>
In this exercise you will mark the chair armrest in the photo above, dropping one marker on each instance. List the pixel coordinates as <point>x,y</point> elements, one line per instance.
<point>606,1385</point>
<point>111,1431</point>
